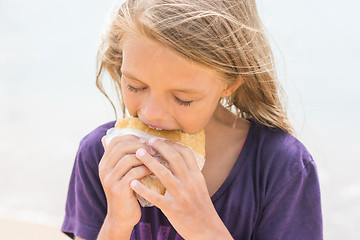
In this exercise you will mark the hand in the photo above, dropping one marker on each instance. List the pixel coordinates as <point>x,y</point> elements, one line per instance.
<point>186,203</point>
<point>117,168</point>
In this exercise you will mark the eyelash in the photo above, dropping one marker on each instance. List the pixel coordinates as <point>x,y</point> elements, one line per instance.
<point>180,102</point>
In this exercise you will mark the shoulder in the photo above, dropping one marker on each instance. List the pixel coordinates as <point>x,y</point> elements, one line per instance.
<point>86,200</point>
<point>280,147</point>
<point>90,145</point>
<point>280,158</point>
<point>95,135</point>
<point>286,186</point>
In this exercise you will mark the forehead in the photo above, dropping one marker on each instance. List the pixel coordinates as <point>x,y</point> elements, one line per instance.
<point>150,58</point>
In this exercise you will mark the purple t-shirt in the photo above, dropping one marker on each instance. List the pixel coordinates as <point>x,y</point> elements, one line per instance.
<point>272,192</point>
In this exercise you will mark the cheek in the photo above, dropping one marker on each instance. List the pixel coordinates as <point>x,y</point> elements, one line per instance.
<point>130,101</point>
<point>197,119</point>
<point>207,111</point>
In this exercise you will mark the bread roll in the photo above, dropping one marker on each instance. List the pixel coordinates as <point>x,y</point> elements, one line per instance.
<point>134,126</point>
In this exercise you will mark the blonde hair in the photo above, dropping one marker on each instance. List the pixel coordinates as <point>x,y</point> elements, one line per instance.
<point>225,35</point>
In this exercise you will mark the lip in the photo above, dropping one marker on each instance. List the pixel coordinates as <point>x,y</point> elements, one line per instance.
<point>155,126</point>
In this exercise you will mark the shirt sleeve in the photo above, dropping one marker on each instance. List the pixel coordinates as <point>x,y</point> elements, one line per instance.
<point>86,202</point>
<point>294,211</point>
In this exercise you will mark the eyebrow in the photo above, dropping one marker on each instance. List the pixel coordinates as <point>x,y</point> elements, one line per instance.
<point>184,90</point>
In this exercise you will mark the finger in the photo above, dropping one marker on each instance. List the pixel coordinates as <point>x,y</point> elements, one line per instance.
<point>187,155</point>
<point>115,140</point>
<point>151,196</point>
<point>175,160</point>
<point>103,141</point>
<point>165,176</point>
<point>136,173</point>
<point>122,149</point>
<point>112,157</point>
<point>108,146</point>
<point>118,139</point>
<point>125,165</point>
<point>123,186</point>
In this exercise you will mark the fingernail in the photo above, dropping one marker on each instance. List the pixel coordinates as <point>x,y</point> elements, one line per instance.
<point>142,140</point>
<point>152,140</point>
<point>103,141</point>
<point>133,183</point>
<point>140,152</point>
<point>110,131</point>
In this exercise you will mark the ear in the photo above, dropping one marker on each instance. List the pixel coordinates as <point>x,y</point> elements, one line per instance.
<point>232,87</point>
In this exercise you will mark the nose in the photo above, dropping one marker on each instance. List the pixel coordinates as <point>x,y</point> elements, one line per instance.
<point>154,109</point>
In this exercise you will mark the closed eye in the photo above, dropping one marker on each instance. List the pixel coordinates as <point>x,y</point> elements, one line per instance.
<point>133,89</point>
<point>177,100</point>
<point>183,103</point>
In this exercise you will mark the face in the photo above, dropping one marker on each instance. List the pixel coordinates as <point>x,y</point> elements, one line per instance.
<point>165,90</point>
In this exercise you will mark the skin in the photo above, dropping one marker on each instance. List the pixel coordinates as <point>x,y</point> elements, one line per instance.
<point>161,74</point>
<point>167,91</point>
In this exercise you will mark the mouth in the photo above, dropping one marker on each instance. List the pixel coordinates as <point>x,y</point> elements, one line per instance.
<point>155,127</point>
<point>158,127</point>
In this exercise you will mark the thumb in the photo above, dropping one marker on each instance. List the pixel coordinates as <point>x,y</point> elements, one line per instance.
<point>103,141</point>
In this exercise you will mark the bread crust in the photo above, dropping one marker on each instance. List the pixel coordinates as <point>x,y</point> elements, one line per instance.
<point>194,141</point>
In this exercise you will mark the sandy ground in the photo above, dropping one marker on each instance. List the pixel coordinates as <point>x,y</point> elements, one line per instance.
<point>16,230</point>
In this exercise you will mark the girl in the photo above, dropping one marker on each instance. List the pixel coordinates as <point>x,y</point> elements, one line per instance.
<point>191,65</point>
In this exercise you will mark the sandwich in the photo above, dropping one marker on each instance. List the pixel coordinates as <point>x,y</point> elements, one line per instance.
<point>134,126</point>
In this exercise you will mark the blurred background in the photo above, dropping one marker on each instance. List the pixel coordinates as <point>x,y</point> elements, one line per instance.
<point>49,102</point>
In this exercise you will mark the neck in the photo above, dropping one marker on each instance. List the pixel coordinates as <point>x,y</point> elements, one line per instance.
<point>221,119</point>
<point>223,123</point>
